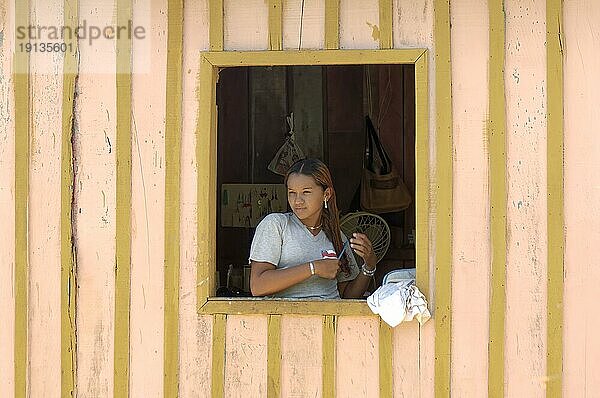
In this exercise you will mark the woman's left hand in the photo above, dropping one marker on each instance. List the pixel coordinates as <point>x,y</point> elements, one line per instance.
<point>362,246</point>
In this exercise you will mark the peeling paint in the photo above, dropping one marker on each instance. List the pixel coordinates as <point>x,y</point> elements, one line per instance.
<point>374,31</point>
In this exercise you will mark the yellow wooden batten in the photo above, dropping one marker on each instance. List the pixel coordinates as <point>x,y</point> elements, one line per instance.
<point>497,153</point>
<point>68,294</point>
<point>329,355</point>
<point>385,24</point>
<point>275,24</point>
<point>556,238</point>
<point>274,356</point>
<point>443,243</point>
<point>386,370</point>
<point>218,356</point>
<point>332,24</point>
<point>22,134</point>
<point>172,195</point>
<point>123,205</point>
<point>216,24</point>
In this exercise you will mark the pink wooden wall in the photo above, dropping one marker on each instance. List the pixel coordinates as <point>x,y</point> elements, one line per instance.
<point>245,27</point>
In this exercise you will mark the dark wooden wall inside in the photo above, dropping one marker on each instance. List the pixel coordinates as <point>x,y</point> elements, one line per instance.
<point>252,106</point>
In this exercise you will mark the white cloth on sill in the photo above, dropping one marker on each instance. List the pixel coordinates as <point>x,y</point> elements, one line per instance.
<point>396,302</point>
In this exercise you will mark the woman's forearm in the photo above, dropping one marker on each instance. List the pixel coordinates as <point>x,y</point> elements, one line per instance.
<point>356,288</point>
<point>271,281</point>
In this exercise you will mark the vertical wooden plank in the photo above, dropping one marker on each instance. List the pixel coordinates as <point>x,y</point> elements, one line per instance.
<point>332,24</point>
<point>413,26</point>
<point>422,202</point>
<point>267,104</point>
<point>94,145</point>
<point>303,24</point>
<point>498,199</point>
<point>216,25</point>
<point>123,204</point>
<point>359,24</point>
<point>526,214</point>
<point>405,365</point>
<point>307,105</point>
<point>7,199</point>
<point>44,302</point>
<point>581,47</point>
<point>274,356</point>
<point>68,283</point>
<point>275,25</point>
<point>172,194</point>
<point>329,356</point>
<point>555,215</point>
<point>301,356</point>
<point>444,172</point>
<point>413,374</point>
<point>357,357</point>
<point>218,356</point>
<point>195,331</point>
<point>244,25</point>
<point>385,24</point>
<point>206,138</point>
<point>470,230</point>
<point>245,356</point>
<point>22,134</point>
<point>386,380</point>
<point>148,117</point>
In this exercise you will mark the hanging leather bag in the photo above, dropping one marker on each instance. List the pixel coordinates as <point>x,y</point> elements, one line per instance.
<point>382,190</point>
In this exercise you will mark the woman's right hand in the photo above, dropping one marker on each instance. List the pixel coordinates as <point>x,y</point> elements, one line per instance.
<point>327,268</point>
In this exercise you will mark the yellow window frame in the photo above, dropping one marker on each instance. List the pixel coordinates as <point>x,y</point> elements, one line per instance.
<point>206,153</point>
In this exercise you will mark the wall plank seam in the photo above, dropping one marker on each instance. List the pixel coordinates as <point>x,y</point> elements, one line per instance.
<point>555,215</point>
<point>68,286</point>
<point>173,123</point>
<point>22,135</point>
<point>498,198</point>
<point>443,255</point>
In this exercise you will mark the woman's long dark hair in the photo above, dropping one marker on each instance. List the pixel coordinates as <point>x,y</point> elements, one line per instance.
<point>329,217</point>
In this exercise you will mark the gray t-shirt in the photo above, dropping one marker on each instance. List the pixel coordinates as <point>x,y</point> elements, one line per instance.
<point>282,240</point>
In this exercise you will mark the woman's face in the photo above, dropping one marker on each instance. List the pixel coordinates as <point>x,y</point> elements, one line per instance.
<point>306,198</point>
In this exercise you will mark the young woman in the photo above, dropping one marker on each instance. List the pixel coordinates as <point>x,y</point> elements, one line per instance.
<point>296,254</point>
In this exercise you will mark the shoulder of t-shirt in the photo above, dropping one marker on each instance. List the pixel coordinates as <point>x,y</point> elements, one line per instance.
<point>275,220</point>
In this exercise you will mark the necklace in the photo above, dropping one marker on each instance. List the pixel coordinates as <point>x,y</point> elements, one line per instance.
<point>315,227</point>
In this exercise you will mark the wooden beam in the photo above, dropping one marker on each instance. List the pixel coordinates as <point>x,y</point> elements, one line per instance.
<point>386,39</point>
<point>216,25</point>
<point>218,356</point>
<point>174,93</point>
<point>556,221</point>
<point>274,357</point>
<point>443,252</point>
<point>22,134</point>
<point>332,24</point>
<point>68,291</point>
<point>123,205</point>
<point>329,348</point>
<point>275,24</point>
<point>498,198</point>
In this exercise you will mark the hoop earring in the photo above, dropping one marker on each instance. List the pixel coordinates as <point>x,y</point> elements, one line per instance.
<point>325,200</point>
